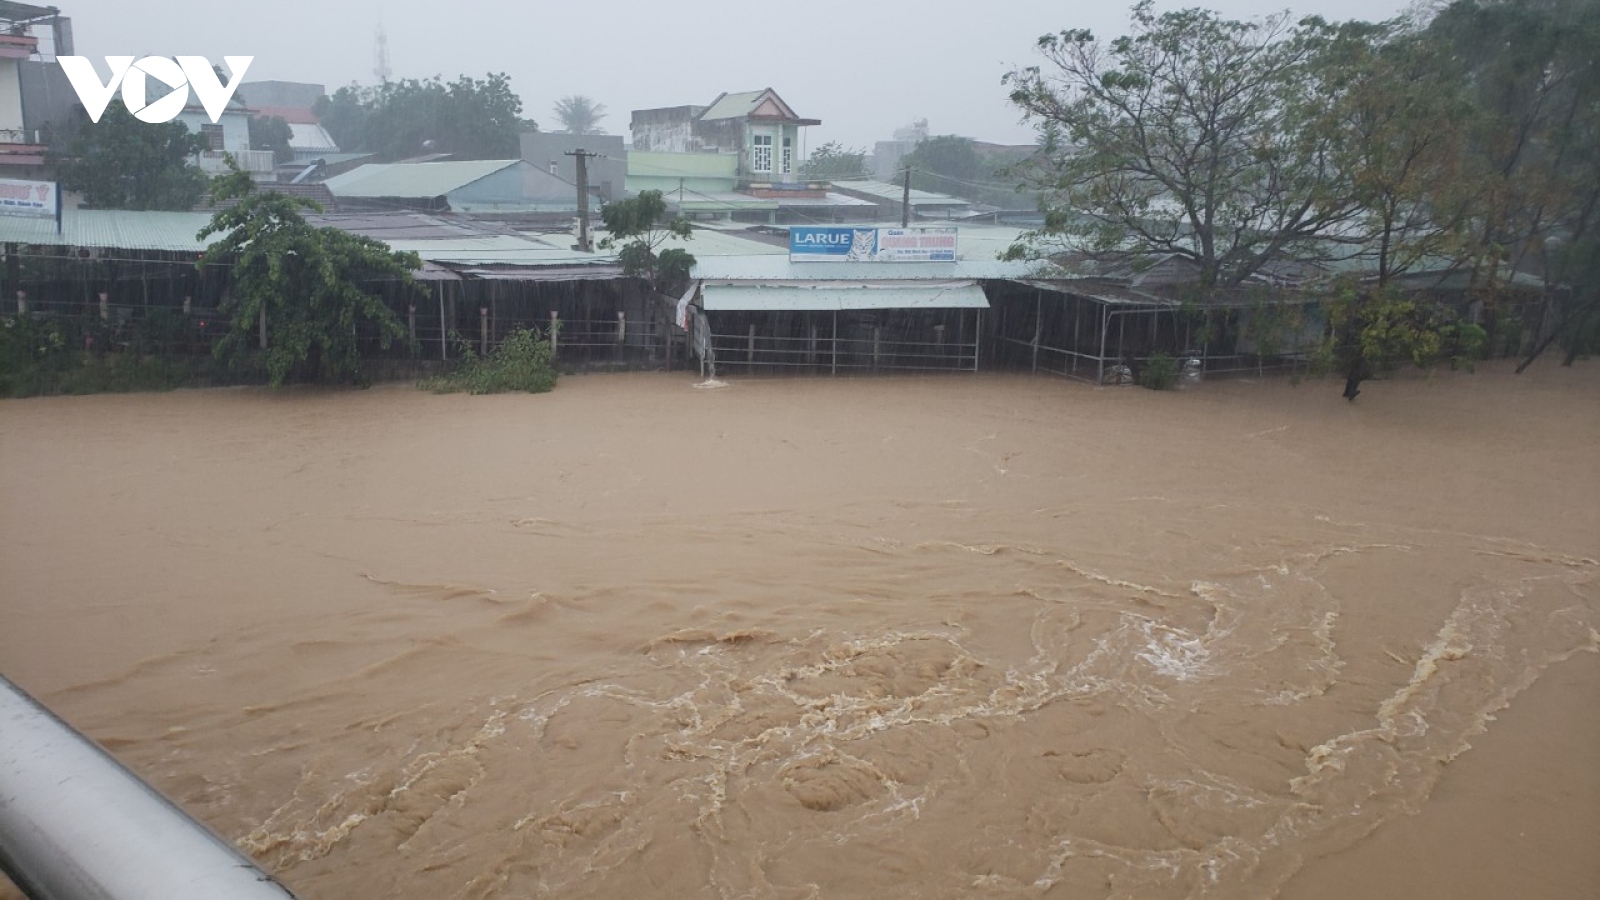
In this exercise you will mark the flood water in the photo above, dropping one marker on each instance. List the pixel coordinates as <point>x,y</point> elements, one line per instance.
<point>990,636</point>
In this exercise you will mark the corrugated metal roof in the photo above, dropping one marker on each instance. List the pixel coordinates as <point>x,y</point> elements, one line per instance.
<point>428,179</point>
<point>710,201</point>
<point>883,190</point>
<point>175,231</point>
<point>778,268</point>
<point>831,200</point>
<point>843,296</point>
<point>716,243</point>
<point>311,137</point>
<point>733,106</point>
<point>598,272</point>
<point>1104,292</point>
<point>502,249</point>
<point>121,229</point>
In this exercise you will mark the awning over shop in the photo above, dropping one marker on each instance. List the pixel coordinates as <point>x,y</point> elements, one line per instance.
<point>844,296</point>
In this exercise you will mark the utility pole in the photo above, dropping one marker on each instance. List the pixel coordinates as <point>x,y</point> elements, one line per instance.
<point>582,158</point>
<point>905,202</point>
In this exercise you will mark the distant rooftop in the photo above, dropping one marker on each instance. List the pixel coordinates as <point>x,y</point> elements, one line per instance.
<point>428,179</point>
<point>762,104</point>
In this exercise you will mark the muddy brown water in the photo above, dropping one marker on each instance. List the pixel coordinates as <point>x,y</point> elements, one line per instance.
<point>951,637</point>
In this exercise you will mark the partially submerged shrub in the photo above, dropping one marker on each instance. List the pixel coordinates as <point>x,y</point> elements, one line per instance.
<point>1160,372</point>
<point>524,361</point>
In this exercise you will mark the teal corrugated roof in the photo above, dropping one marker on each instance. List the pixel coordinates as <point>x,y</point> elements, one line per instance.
<point>431,179</point>
<point>123,229</point>
<point>502,249</point>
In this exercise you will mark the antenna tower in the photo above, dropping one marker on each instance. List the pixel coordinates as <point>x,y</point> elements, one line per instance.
<point>380,56</point>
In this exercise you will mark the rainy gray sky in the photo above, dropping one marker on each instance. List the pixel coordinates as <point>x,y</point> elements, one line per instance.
<point>863,68</point>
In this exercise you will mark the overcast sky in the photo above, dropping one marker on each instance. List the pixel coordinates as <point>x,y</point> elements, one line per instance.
<point>863,68</point>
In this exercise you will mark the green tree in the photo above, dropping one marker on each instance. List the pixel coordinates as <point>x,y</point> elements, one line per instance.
<point>313,285</point>
<point>271,133</point>
<point>641,226</point>
<point>1531,170</point>
<point>1371,330</point>
<point>1193,136</point>
<point>123,163</point>
<point>946,163</point>
<point>1398,123</point>
<point>580,115</point>
<point>472,118</point>
<point>834,160</point>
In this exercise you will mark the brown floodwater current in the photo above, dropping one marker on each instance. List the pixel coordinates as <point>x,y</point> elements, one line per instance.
<point>992,636</point>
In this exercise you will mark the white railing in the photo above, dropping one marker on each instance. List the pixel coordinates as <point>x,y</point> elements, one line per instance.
<point>75,824</point>
<point>256,162</point>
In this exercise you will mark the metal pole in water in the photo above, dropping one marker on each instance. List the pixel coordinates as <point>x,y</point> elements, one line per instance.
<point>76,825</point>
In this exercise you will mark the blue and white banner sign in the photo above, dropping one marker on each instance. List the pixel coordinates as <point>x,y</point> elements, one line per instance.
<point>27,198</point>
<point>845,244</point>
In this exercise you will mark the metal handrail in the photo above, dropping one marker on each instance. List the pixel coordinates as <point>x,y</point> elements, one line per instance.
<point>75,824</point>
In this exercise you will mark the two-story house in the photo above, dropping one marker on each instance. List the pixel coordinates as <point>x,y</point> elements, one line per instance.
<point>21,148</point>
<point>757,126</point>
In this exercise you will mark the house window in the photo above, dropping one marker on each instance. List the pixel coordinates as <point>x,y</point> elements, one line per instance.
<point>788,155</point>
<point>213,135</point>
<point>763,153</point>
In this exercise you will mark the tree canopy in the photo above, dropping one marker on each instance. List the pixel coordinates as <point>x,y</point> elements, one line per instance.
<point>834,160</point>
<point>314,286</point>
<point>580,115</point>
<point>1470,143</point>
<point>271,133</point>
<point>640,225</point>
<point>1195,135</point>
<point>123,163</point>
<point>473,118</point>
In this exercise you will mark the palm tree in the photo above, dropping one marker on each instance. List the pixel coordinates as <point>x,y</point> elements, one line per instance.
<point>580,115</point>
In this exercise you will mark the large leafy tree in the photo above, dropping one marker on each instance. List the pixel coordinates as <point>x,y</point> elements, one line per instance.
<point>1192,136</point>
<point>313,287</point>
<point>473,118</point>
<point>123,163</point>
<point>1531,163</point>
<point>580,115</point>
<point>639,225</point>
<point>1397,123</point>
<point>944,163</point>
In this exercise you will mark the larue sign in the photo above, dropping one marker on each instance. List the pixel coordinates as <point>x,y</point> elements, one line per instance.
<point>845,244</point>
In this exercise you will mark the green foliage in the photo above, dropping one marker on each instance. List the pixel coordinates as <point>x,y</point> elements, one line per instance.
<point>30,352</point>
<point>942,162</point>
<point>59,355</point>
<point>1372,330</point>
<point>640,224</point>
<point>1397,118</point>
<point>1192,136</point>
<point>473,118</point>
<point>271,133</point>
<point>123,163</point>
<point>580,115</point>
<point>834,160</point>
<point>314,284</point>
<point>1160,372</point>
<point>524,361</point>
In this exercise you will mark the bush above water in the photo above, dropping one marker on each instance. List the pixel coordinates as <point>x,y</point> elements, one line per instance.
<point>1160,372</point>
<point>522,362</point>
